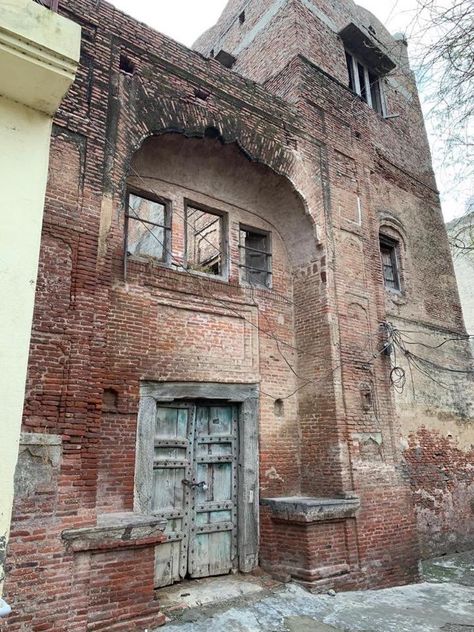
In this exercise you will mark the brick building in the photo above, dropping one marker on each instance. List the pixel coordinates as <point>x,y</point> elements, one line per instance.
<point>245,308</point>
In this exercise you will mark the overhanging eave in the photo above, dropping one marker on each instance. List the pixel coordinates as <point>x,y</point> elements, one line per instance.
<point>366,49</point>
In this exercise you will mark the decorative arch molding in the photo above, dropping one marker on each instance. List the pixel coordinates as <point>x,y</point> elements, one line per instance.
<point>391,226</point>
<point>135,119</point>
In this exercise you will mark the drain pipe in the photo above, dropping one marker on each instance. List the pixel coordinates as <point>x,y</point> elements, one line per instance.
<point>5,609</point>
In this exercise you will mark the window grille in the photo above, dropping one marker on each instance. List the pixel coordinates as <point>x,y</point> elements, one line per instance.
<point>365,83</point>
<point>148,227</point>
<point>388,252</point>
<point>205,250</point>
<point>255,256</point>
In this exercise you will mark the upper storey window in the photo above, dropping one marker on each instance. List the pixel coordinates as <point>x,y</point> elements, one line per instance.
<point>205,242</point>
<point>388,253</point>
<point>367,63</point>
<point>148,227</point>
<point>365,83</point>
<point>255,256</point>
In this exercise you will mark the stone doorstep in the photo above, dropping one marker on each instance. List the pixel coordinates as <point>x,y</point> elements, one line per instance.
<point>116,530</point>
<point>307,509</point>
<point>194,599</point>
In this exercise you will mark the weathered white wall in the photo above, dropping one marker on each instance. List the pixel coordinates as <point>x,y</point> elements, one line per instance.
<point>461,233</point>
<point>464,268</point>
<point>39,51</point>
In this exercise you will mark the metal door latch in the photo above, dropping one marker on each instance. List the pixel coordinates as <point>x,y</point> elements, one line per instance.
<point>202,484</point>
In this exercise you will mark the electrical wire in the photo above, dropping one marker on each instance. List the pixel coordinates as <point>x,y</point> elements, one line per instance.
<point>266,332</point>
<point>424,366</point>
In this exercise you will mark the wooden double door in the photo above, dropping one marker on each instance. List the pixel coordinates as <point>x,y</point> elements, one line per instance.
<point>195,488</point>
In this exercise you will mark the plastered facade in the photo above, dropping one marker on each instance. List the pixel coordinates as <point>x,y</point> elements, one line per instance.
<point>39,52</point>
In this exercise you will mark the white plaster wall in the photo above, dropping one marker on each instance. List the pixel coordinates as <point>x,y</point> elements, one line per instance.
<point>461,233</point>
<point>464,269</point>
<point>39,52</point>
<point>24,139</point>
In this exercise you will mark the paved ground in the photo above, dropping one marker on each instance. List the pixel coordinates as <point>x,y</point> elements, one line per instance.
<point>444,602</point>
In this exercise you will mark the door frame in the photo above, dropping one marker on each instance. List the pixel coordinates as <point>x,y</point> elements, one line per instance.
<point>247,397</point>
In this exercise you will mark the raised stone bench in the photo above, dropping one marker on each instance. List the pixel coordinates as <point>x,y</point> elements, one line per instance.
<point>114,564</point>
<point>309,509</point>
<point>312,540</point>
<point>116,530</point>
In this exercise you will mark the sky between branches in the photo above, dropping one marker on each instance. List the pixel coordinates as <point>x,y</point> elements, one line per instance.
<point>185,20</point>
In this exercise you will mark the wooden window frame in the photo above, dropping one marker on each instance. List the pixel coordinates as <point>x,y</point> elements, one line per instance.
<point>364,89</point>
<point>167,226</point>
<point>268,255</point>
<point>393,246</point>
<point>224,241</point>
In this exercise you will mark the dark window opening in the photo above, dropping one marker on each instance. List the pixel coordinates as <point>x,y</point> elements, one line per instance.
<point>362,82</point>
<point>212,132</point>
<point>148,229</point>
<point>279,408</point>
<point>110,399</point>
<point>388,252</point>
<point>126,65</point>
<point>376,93</point>
<point>242,17</point>
<point>366,83</point>
<point>350,70</point>
<point>202,94</point>
<point>204,241</point>
<point>226,59</point>
<point>255,256</point>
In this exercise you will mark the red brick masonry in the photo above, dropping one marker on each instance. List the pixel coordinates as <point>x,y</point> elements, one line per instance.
<point>298,156</point>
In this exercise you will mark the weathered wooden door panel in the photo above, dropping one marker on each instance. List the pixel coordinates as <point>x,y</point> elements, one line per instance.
<point>213,536</point>
<point>172,464</point>
<point>195,489</point>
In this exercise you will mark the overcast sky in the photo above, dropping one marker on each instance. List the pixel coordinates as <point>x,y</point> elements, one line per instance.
<point>185,20</point>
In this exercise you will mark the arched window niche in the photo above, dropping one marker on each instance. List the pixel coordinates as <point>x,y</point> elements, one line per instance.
<point>393,255</point>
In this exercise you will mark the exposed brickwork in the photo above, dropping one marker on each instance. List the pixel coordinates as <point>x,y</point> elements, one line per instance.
<point>119,585</point>
<point>320,554</point>
<point>304,159</point>
<point>443,487</point>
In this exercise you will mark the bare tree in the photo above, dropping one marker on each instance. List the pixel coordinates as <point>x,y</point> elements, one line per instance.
<point>461,232</point>
<point>445,67</point>
<point>443,36</point>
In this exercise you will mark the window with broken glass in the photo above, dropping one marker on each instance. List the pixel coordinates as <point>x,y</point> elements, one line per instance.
<point>148,227</point>
<point>365,83</point>
<point>388,252</point>
<point>255,256</point>
<point>205,244</point>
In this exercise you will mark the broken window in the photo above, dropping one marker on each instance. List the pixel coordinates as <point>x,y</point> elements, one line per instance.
<point>204,240</point>
<point>388,252</point>
<point>255,256</point>
<point>148,228</point>
<point>365,83</point>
